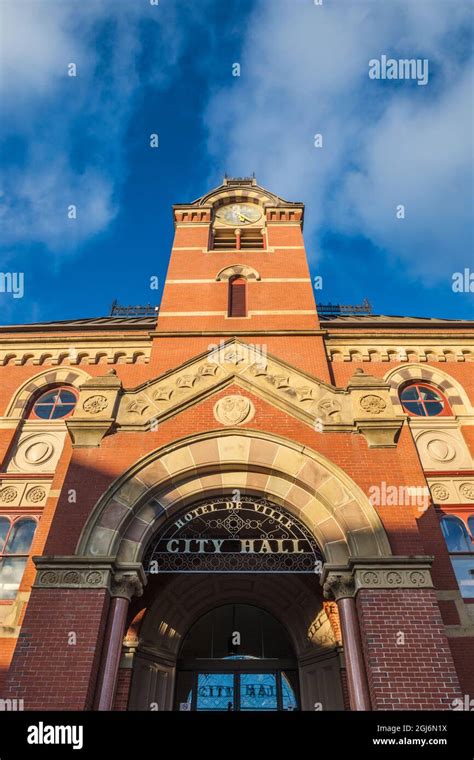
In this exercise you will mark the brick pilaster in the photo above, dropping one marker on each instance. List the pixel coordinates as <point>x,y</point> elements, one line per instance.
<point>408,658</point>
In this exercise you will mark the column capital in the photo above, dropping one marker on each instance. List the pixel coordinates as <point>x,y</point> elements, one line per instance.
<point>377,573</point>
<point>338,584</point>
<point>126,583</point>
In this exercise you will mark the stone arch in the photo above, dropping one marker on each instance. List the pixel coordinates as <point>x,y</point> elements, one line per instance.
<point>305,483</point>
<point>23,394</point>
<point>230,194</point>
<point>238,270</point>
<point>452,389</point>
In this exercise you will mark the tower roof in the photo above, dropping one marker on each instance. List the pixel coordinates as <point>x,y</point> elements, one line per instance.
<point>237,189</point>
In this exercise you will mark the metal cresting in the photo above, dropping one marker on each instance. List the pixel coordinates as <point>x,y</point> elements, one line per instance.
<point>224,535</point>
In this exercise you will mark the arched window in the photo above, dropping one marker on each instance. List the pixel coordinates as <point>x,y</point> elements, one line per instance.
<point>470,522</point>
<point>461,552</point>
<point>237,297</point>
<point>422,400</point>
<point>4,528</point>
<point>55,404</point>
<point>455,534</point>
<point>16,536</point>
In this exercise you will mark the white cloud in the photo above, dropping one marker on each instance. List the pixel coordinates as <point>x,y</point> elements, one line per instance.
<point>419,158</point>
<point>72,129</point>
<point>304,70</point>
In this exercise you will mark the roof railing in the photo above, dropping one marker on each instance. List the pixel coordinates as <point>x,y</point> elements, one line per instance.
<point>342,309</point>
<point>148,310</point>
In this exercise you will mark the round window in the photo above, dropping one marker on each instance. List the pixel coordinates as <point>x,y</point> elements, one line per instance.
<point>423,401</point>
<point>55,404</point>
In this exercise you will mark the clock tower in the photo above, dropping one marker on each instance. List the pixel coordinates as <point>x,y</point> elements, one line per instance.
<point>238,267</point>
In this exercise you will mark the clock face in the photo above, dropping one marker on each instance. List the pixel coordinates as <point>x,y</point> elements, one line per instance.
<point>239,214</point>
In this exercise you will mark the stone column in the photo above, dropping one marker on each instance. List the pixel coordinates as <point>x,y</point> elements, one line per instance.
<point>124,585</point>
<point>237,233</point>
<point>340,587</point>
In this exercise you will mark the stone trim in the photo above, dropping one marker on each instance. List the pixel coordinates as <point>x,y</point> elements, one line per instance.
<point>402,349</point>
<point>70,351</point>
<point>408,572</point>
<point>75,572</point>
<point>24,492</point>
<point>232,333</point>
<point>275,312</point>
<point>221,278</point>
<point>241,270</point>
<point>452,490</point>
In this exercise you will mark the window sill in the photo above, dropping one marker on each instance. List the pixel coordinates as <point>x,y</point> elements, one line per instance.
<point>238,250</point>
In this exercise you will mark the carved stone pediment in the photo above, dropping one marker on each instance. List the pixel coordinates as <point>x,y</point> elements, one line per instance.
<point>365,405</point>
<point>251,368</point>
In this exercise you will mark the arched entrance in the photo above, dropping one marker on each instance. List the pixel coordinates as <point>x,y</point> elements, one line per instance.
<point>155,646</point>
<point>237,657</point>
<point>320,499</point>
<point>233,615</point>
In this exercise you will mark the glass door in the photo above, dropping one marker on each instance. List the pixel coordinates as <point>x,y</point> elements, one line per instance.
<point>258,691</point>
<point>215,691</point>
<point>247,690</point>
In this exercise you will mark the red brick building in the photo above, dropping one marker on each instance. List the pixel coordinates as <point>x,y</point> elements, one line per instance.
<point>237,503</point>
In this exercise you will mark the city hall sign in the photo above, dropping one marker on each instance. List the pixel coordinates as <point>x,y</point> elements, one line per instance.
<point>225,535</point>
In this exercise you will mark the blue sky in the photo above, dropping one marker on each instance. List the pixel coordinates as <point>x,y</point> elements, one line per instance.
<point>167,69</point>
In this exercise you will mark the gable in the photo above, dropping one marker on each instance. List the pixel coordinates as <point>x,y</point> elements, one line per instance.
<point>364,405</point>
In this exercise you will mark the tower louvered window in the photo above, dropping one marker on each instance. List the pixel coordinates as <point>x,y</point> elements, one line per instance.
<point>226,239</point>
<point>252,238</point>
<point>237,297</point>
